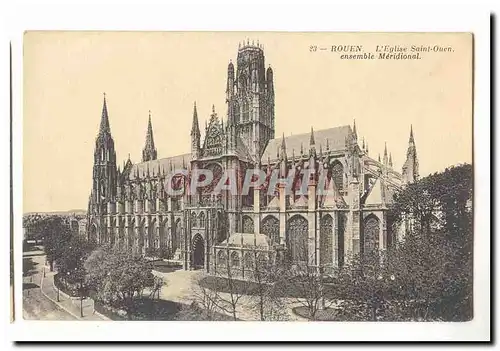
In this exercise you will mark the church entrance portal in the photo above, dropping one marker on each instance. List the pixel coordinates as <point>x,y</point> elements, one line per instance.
<point>198,252</point>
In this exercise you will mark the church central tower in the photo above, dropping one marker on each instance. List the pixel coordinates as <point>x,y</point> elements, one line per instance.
<point>250,99</point>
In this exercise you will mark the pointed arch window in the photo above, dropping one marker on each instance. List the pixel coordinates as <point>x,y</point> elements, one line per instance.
<point>248,226</point>
<point>193,220</point>
<point>248,260</point>
<point>236,112</point>
<point>235,259</point>
<point>371,233</point>
<point>338,175</point>
<point>326,240</point>
<point>202,219</point>
<point>221,258</point>
<point>246,112</point>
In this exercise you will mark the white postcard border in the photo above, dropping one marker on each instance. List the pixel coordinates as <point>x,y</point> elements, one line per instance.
<point>354,17</point>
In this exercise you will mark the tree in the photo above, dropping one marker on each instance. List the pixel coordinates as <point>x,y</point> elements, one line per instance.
<point>442,196</point>
<point>236,289</point>
<point>119,277</point>
<point>266,293</point>
<point>434,264</point>
<point>206,298</point>
<point>72,254</point>
<point>305,281</point>
<point>56,234</point>
<point>366,286</point>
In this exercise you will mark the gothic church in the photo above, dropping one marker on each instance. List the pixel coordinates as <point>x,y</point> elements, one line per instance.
<point>130,208</point>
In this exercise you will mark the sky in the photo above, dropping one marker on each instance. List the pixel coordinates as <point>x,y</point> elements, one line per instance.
<point>66,73</point>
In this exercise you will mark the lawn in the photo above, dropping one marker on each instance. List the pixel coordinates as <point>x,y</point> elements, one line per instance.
<point>146,309</point>
<point>282,289</point>
<point>165,267</point>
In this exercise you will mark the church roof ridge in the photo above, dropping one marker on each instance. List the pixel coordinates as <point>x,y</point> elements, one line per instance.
<point>335,136</point>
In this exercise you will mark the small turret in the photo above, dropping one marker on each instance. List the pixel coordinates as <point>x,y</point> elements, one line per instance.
<point>312,144</point>
<point>269,80</point>
<point>230,81</point>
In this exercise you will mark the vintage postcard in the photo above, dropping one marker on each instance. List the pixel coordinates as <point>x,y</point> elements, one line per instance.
<point>248,176</point>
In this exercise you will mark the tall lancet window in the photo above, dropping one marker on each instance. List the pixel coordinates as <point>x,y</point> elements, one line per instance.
<point>338,175</point>
<point>236,112</point>
<point>245,111</point>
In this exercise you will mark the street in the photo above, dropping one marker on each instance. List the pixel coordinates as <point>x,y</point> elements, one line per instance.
<point>35,305</point>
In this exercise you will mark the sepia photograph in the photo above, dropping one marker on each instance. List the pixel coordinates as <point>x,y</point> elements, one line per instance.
<point>230,176</point>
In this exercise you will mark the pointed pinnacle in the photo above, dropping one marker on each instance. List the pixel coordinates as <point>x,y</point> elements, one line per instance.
<point>150,144</point>
<point>354,129</point>
<point>411,133</point>
<point>385,149</point>
<point>104,127</point>
<point>283,147</point>
<point>195,127</point>
<point>311,141</point>
<point>379,158</point>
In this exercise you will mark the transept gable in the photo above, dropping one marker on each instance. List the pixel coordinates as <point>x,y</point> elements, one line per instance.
<point>213,144</point>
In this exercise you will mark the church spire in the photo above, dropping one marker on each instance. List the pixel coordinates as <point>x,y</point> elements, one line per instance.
<point>104,127</point>
<point>105,170</point>
<point>385,154</point>
<point>149,151</point>
<point>390,160</point>
<point>410,167</point>
<point>354,132</point>
<point>195,129</point>
<point>195,135</point>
